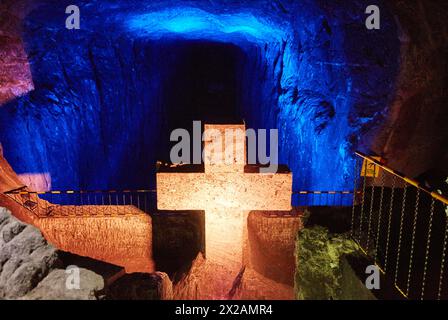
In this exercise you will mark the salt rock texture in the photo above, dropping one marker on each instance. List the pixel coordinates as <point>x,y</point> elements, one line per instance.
<point>53,287</point>
<point>271,245</point>
<point>19,211</point>
<point>310,69</point>
<point>30,270</point>
<point>177,238</point>
<point>141,286</point>
<point>221,190</point>
<point>200,282</point>
<point>15,73</point>
<point>121,240</point>
<point>326,82</point>
<point>265,272</point>
<point>8,178</point>
<point>29,266</point>
<point>415,138</point>
<point>255,286</point>
<point>25,257</point>
<point>124,240</point>
<point>10,181</point>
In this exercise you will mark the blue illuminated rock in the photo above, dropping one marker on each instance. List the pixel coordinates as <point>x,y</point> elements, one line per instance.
<point>105,95</point>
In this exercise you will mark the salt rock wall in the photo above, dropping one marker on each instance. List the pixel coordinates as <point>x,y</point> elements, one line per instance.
<point>53,287</point>
<point>178,237</point>
<point>271,240</point>
<point>85,104</point>
<point>320,256</point>
<point>339,95</point>
<point>29,266</point>
<point>123,241</point>
<point>415,138</point>
<point>15,74</point>
<point>8,178</point>
<point>310,69</point>
<point>137,286</point>
<point>25,257</point>
<point>268,258</point>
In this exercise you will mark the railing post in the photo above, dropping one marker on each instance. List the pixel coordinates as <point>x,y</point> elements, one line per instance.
<point>355,186</point>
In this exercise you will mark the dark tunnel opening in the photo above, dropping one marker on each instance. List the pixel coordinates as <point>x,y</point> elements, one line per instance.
<point>106,97</point>
<point>203,83</point>
<point>123,111</point>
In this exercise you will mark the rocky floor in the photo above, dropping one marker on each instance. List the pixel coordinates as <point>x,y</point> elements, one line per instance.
<point>30,268</point>
<point>33,269</point>
<point>202,283</point>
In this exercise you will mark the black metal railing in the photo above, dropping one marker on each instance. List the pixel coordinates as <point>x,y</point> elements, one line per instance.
<point>113,202</point>
<point>85,203</point>
<point>403,227</point>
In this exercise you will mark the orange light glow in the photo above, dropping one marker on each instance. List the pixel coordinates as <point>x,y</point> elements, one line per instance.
<point>227,193</point>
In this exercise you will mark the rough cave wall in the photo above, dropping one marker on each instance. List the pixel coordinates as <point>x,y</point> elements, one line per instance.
<point>15,73</point>
<point>92,113</point>
<point>314,72</point>
<point>123,241</point>
<point>339,95</point>
<point>271,245</point>
<point>415,138</point>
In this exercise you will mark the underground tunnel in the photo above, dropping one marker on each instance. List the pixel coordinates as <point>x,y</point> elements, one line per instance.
<point>120,93</point>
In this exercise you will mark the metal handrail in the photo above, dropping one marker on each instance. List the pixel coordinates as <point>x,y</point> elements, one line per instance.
<point>154,191</point>
<point>79,191</point>
<point>412,182</point>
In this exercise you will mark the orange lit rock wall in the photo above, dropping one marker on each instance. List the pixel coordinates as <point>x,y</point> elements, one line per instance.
<point>8,178</point>
<point>17,210</point>
<point>121,240</point>
<point>124,241</point>
<point>10,181</point>
<point>268,258</point>
<point>271,244</point>
<point>204,281</point>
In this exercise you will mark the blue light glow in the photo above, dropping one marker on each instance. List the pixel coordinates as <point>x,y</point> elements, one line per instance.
<point>196,23</point>
<point>104,87</point>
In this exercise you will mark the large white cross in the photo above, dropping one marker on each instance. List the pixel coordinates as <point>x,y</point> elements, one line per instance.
<point>227,190</point>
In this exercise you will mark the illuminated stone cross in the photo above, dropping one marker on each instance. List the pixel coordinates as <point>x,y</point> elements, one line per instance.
<point>227,189</point>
